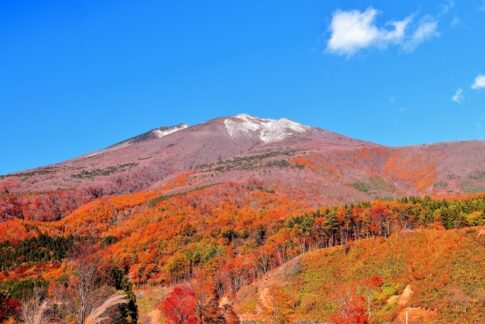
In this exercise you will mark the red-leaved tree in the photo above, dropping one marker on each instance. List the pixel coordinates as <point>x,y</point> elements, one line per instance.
<point>8,307</point>
<point>180,306</point>
<point>351,307</point>
<point>371,284</point>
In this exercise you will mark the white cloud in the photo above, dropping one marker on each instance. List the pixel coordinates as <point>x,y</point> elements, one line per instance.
<point>479,82</point>
<point>426,29</point>
<point>352,31</point>
<point>355,30</point>
<point>458,96</point>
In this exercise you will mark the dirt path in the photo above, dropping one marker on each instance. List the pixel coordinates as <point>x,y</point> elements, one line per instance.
<point>154,317</point>
<point>405,296</point>
<point>414,314</point>
<point>265,305</point>
<point>265,298</point>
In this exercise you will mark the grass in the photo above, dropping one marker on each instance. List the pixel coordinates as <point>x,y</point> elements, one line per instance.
<point>250,162</point>
<point>362,186</point>
<point>147,299</point>
<point>477,175</point>
<point>373,186</point>
<point>29,174</point>
<point>154,202</point>
<point>100,172</point>
<point>470,187</point>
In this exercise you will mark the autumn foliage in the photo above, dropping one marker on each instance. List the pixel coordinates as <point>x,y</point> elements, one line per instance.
<point>179,306</point>
<point>351,308</point>
<point>230,235</point>
<point>435,274</point>
<point>8,307</point>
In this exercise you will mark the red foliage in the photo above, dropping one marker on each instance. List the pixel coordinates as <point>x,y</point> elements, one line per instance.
<point>180,306</point>
<point>8,307</point>
<point>45,206</point>
<point>373,282</point>
<point>351,310</point>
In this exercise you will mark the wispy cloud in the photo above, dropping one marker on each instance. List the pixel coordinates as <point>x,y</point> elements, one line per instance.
<point>458,96</point>
<point>455,21</point>
<point>447,6</point>
<point>479,82</point>
<point>426,30</point>
<point>354,30</point>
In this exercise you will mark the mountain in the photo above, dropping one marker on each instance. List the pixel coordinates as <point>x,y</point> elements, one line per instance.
<point>318,166</point>
<point>169,150</point>
<point>244,218</point>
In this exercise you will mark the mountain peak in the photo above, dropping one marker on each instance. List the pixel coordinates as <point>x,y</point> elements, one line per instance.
<point>267,130</point>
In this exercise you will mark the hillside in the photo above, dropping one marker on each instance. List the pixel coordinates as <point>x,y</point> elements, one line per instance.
<point>437,276</point>
<point>221,237</point>
<point>315,165</point>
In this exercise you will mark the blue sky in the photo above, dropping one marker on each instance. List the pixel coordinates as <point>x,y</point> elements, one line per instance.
<point>76,76</point>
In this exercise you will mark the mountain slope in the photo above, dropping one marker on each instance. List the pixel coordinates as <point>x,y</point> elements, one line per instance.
<point>436,275</point>
<point>315,165</point>
<point>173,149</point>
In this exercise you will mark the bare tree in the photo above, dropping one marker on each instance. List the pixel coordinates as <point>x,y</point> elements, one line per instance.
<point>81,299</point>
<point>459,299</point>
<point>34,308</point>
<point>85,272</point>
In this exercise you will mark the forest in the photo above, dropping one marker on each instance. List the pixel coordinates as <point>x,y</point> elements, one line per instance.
<point>205,244</point>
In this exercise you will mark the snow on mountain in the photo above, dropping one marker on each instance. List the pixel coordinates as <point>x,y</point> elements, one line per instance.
<point>326,166</point>
<point>161,132</point>
<point>267,130</point>
<point>153,134</point>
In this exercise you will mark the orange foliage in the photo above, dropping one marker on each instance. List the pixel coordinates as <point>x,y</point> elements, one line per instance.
<point>230,233</point>
<point>304,161</point>
<point>178,181</point>
<point>15,230</point>
<point>416,170</point>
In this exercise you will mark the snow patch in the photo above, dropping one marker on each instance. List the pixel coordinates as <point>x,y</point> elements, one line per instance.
<point>267,130</point>
<point>160,132</point>
<point>166,131</point>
